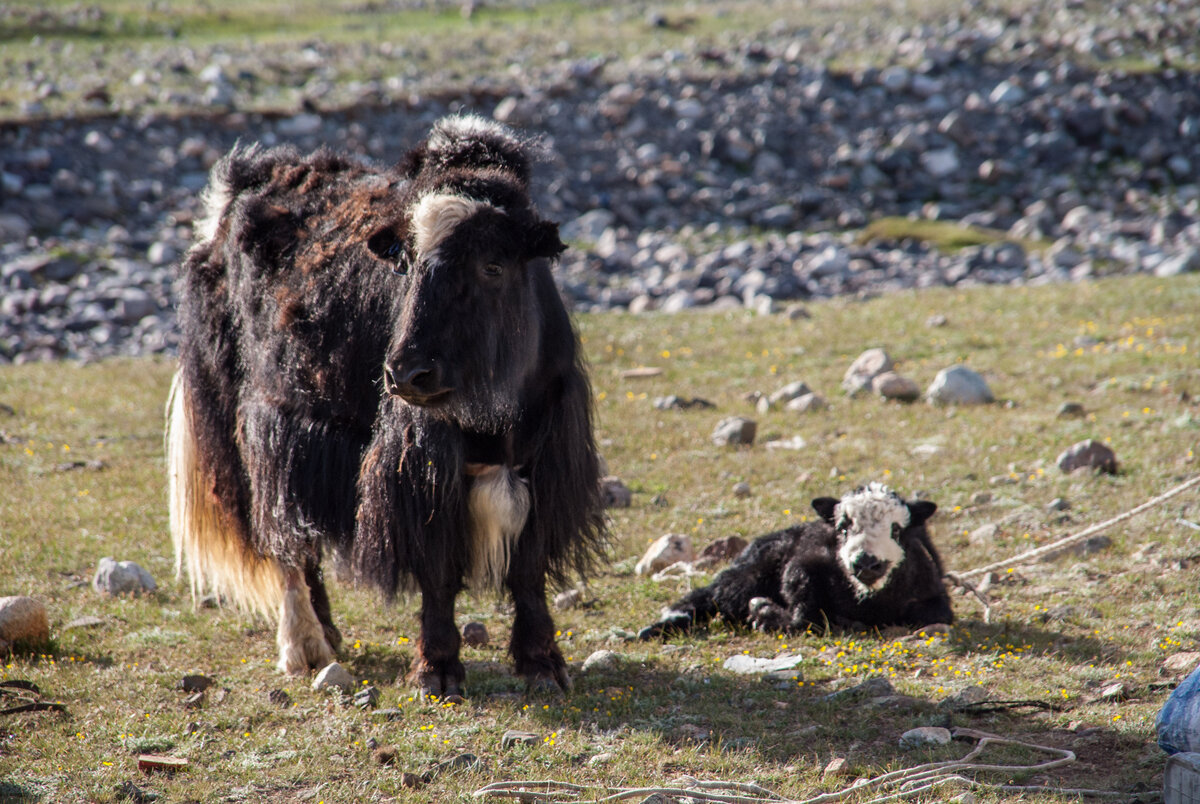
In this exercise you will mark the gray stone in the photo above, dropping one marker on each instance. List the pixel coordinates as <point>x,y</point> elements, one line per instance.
<point>122,577</point>
<point>567,599</point>
<point>602,661</point>
<point>475,635</point>
<point>752,665</point>
<point>1007,93</point>
<point>512,737</point>
<point>789,392</point>
<point>1090,454</point>
<point>923,736</point>
<point>941,163</point>
<point>134,304</point>
<point>1186,262</point>
<point>806,403</point>
<point>589,226</point>
<point>734,430</point>
<point>1070,410</point>
<point>23,623</point>
<point>334,676</point>
<point>891,385</point>
<point>959,385</point>
<point>865,368</point>
<point>616,493</point>
<point>741,489</point>
<point>13,228</point>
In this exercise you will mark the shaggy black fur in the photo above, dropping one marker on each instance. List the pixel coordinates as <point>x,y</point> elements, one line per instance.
<point>308,293</point>
<point>792,579</point>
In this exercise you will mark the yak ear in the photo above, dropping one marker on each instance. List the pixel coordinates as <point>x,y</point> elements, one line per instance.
<point>411,163</point>
<point>824,506</point>
<point>389,247</point>
<point>543,241</point>
<point>919,511</point>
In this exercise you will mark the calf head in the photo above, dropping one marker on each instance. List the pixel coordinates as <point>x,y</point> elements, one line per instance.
<point>472,255</point>
<point>872,523</point>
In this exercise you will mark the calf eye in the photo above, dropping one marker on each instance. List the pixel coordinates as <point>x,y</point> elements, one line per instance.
<point>895,528</point>
<point>493,269</point>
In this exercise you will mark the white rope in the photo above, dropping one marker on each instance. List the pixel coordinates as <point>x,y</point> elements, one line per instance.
<point>1081,536</point>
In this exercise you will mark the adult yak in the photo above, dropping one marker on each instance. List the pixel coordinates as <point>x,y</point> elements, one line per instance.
<point>378,364</point>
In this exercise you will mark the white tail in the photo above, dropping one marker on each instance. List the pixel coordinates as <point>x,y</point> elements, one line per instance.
<point>207,539</point>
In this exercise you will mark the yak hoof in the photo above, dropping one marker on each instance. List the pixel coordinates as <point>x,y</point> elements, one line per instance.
<point>442,687</point>
<point>298,658</point>
<point>549,684</point>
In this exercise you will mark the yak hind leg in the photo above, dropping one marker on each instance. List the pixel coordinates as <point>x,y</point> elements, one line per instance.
<point>438,672</point>
<point>303,645</point>
<point>320,603</point>
<point>535,654</point>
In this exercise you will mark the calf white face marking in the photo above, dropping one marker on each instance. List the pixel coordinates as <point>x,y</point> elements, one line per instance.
<point>869,520</point>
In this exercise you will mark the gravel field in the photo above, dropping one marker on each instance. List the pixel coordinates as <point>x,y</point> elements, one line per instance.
<point>737,170</point>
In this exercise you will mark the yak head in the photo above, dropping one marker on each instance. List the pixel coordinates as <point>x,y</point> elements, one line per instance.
<point>473,259</point>
<point>871,524</point>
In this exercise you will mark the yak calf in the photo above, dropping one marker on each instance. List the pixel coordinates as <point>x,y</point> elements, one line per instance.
<point>376,363</point>
<point>867,562</point>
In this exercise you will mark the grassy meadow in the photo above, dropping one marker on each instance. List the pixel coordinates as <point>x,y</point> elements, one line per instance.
<point>82,476</point>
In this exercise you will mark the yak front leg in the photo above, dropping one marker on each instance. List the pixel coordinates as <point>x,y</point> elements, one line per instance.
<point>438,670</point>
<point>535,654</point>
<point>320,603</point>
<point>301,637</point>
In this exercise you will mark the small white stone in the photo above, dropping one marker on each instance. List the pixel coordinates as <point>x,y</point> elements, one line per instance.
<point>665,551</point>
<point>23,619</point>
<point>601,660</point>
<point>118,577</point>
<point>334,675</point>
<point>924,736</point>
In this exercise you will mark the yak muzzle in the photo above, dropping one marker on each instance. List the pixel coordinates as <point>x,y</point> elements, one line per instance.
<point>417,382</point>
<point>868,569</point>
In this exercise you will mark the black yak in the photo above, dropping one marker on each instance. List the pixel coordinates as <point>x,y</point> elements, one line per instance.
<point>867,562</point>
<point>377,364</point>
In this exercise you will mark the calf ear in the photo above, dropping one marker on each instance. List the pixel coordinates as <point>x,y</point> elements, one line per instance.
<point>919,511</point>
<point>543,241</point>
<point>389,247</point>
<point>824,506</point>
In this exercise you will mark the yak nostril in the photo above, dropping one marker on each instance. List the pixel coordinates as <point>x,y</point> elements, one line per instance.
<point>866,562</point>
<point>422,378</point>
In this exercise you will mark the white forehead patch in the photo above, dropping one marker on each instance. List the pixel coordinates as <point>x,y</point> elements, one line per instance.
<point>870,512</point>
<point>436,215</point>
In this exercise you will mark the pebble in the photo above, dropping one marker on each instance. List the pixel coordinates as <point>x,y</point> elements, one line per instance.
<point>1090,454</point>
<point>122,577</point>
<point>23,622</point>
<point>959,385</point>
<point>724,549</point>
<point>512,737</point>
<point>891,385</point>
<point>665,551</point>
<point>1070,410</point>
<point>735,430</point>
<point>475,635</point>
<point>744,665</point>
<point>615,493</point>
<point>741,489</point>
<point>567,599</point>
<point>808,403</point>
<point>865,368</point>
<point>925,736</point>
<point>602,661</point>
<point>334,676</point>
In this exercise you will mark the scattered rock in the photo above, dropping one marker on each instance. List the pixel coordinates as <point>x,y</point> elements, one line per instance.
<point>865,368</point>
<point>891,385</point>
<point>385,755</point>
<point>673,402</point>
<point>87,621</point>
<point>834,768</point>
<point>475,635</point>
<point>752,665</point>
<point>279,698</point>
<point>984,535</point>
<point>194,683</point>
<point>1058,504</point>
<point>602,661</point>
<point>367,697</point>
<point>1070,410</point>
<point>925,736</point>
<point>807,403</point>
<point>602,758</point>
<point>874,687</point>
<point>665,551</point>
<point>616,493</point>
<point>23,623</point>
<point>1090,454</point>
<point>567,599</point>
<point>194,701</point>
<point>787,393</point>
<point>512,738</point>
<point>726,548</point>
<point>959,385</point>
<point>734,430</point>
<point>334,676</point>
<point>741,489</point>
<point>1178,664</point>
<point>122,577</point>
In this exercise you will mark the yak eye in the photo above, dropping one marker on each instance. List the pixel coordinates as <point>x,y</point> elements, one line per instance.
<point>493,269</point>
<point>843,525</point>
<point>895,528</point>
<point>400,268</point>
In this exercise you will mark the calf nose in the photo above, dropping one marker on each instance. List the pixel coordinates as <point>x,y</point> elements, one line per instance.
<point>866,564</point>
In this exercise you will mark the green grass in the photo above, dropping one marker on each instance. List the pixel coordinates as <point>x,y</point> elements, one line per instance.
<point>668,710</point>
<point>948,236</point>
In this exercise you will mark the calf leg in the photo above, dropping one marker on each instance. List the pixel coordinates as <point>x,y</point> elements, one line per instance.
<point>301,637</point>
<point>696,608</point>
<point>438,671</point>
<point>535,654</point>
